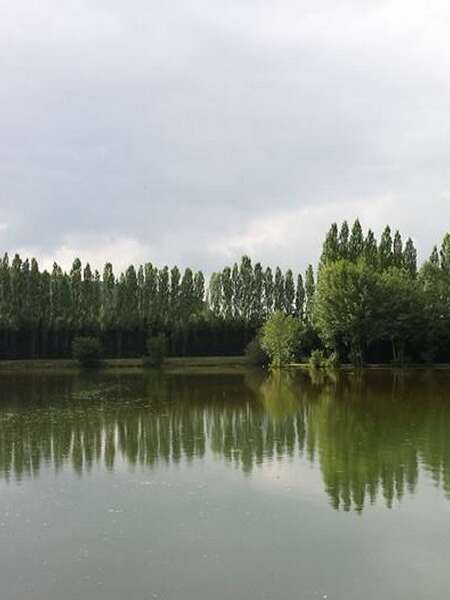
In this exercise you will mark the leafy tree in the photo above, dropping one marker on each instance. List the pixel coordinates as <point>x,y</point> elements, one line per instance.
<point>397,253</point>
<point>227,290</point>
<point>370,251</point>
<point>385,256</point>
<point>410,258</point>
<point>300,298</point>
<point>278,291</point>
<point>87,351</point>
<point>289,292</point>
<point>310,289</point>
<point>343,240</point>
<point>268,291</point>
<point>356,242</point>
<point>156,351</point>
<point>402,311</point>
<point>347,307</point>
<point>278,336</point>
<point>330,250</point>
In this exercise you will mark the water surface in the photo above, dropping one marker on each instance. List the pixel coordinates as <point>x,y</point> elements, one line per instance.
<point>218,486</point>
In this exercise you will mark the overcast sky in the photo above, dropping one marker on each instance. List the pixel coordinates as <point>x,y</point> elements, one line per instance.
<point>192,131</point>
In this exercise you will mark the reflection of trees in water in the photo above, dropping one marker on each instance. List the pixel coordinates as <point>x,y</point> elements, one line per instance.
<point>368,433</point>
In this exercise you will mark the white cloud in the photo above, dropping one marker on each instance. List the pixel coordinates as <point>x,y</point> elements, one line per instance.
<point>192,132</point>
<point>95,249</point>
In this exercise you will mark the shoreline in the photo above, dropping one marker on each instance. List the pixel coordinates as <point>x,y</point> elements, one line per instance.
<point>193,362</point>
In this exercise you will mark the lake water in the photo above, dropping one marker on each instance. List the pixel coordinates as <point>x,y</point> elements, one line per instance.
<point>214,486</point>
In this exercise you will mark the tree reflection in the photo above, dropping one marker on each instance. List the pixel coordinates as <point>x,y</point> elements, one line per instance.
<point>371,434</point>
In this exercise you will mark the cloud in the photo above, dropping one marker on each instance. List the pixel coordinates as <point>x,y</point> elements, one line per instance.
<point>199,130</point>
<point>96,250</point>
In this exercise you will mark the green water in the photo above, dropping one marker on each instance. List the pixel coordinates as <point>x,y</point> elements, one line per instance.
<point>219,486</point>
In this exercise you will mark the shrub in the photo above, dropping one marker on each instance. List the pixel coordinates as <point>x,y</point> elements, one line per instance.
<point>156,351</point>
<point>316,360</point>
<point>255,354</point>
<point>87,351</point>
<point>278,337</point>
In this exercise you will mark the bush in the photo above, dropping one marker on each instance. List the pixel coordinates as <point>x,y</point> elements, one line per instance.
<point>87,351</point>
<point>255,354</point>
<point>156,351</point>
<point>317,359</point>
<point>278,338</point>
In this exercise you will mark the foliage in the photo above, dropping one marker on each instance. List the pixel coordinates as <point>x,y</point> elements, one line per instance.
<point>156,351</point>
<point>87,351</point>
<point>347,308</point>
<point>278,336</point>
<point>318,360</point>
<point>367,300</point>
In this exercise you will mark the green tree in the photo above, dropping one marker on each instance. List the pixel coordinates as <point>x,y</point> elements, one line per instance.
<point>356,242</point>
<point>330,249</point>
<point>385,249</point>
<point>348,307</point>
<point>278,338</point>
<point>410,258</point>
<point>268,291</point>
<point>397,253</point>
<point>343,240</point>
<point>370,251</point>
<point>310,289</point>
<point>289,292</point>
<point>300,298</point>
<point>278,291</point>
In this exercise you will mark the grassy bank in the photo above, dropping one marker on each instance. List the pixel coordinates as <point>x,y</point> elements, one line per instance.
<point>127,363</point>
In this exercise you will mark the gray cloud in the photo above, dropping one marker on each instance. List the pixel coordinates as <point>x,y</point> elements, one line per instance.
<point>194,131</point>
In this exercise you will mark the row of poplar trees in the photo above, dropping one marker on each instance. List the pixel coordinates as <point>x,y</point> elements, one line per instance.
<point>42,312</point>
<point>370,302</point>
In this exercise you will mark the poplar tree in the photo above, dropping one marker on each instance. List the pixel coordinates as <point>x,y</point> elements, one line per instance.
<point>163,295</point>
<point>175,293</point>
<point>343,240</point>
<point>397,254</point>
<point>268,291</point>
<point>227,289</point>
<point>187,295</point>
<point>310,288</point>
<point>330,249</point>
<point>215,294</point>
<point>237,291</point>
<point>257,295</point>
<point>199,291</point>
<point>300,298</point>
<point>370,251</point>
<point>356,242</point>
<point>246,278</point>
<point>410,258</point>
<point>278,291</point>
<point>385,249</point>
<point>289,289</point>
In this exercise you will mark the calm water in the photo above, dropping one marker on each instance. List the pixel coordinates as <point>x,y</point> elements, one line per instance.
<point>219,486</point>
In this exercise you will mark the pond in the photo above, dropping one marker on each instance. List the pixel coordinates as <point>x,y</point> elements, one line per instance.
<point>219,485</point>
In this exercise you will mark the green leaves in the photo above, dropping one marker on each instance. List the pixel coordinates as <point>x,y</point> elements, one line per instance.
<point>278,338</point>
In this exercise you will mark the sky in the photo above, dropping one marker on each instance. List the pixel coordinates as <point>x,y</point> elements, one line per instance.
<point>192,132</point>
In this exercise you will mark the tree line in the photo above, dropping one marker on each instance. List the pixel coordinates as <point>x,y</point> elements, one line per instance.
<point>42,312</point>
<point>372,303</point>
<point>366,301</point>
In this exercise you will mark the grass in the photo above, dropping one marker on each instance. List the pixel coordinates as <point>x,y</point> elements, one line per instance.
<point>126,363</point>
